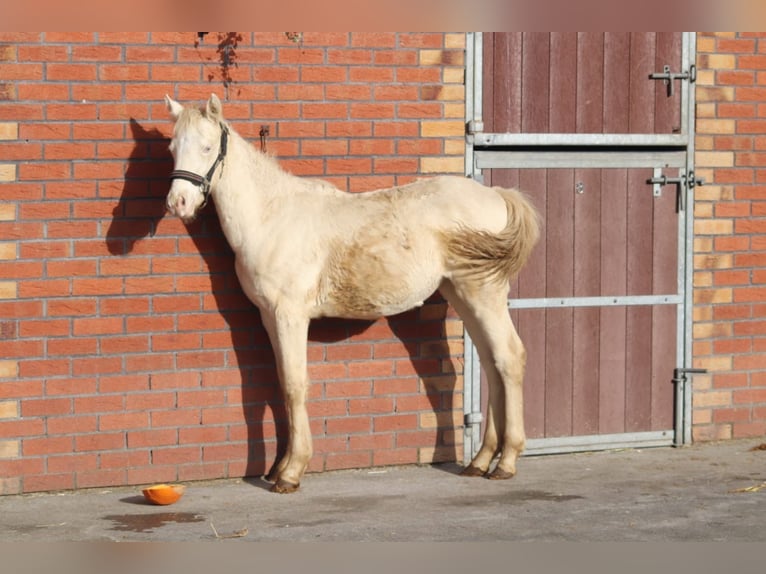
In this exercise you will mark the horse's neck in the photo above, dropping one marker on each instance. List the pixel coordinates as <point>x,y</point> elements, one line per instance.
<point>248,183</point>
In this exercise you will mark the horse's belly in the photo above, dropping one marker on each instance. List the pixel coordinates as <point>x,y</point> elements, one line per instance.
<point>363,294</point>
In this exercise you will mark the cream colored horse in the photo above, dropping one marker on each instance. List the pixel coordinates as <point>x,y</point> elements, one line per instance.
<point>305,249</point>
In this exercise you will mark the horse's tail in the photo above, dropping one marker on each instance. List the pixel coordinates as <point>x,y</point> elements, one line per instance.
<point>522,231</point>
<point>483,255</point>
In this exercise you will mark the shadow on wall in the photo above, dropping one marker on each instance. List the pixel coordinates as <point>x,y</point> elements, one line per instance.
<point>244,342</point>
<point>140,208</point>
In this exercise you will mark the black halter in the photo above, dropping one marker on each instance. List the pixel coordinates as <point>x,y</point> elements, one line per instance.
<point>204,182</point>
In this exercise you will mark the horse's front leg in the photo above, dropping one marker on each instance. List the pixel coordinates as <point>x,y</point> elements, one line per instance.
<point>288,332</point>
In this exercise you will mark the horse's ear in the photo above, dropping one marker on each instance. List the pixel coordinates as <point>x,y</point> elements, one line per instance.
<point>173,106</point>
<point>214,108</point>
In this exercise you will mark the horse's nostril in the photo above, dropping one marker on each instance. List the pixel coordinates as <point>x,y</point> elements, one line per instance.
<point>182,201</point>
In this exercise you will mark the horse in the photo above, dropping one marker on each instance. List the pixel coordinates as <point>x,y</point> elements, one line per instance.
<point>305,249</point>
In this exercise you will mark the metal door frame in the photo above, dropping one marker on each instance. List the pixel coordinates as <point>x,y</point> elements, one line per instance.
<point>603,151</point>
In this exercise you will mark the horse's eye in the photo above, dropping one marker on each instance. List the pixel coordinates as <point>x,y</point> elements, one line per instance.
<point>207,149</point>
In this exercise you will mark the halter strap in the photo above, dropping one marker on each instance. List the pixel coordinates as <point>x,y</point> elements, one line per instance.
<point>204,182</point>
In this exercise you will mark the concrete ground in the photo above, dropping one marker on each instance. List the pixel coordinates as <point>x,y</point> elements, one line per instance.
<point>705,492</point>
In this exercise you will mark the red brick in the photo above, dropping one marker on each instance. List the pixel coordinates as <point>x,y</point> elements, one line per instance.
<point>370,406</point>
<point>72,463</point>
<point>48,482</point>
<point>348,92</point>
<point>348,165</point>
<point>421,40</point>
<point>752,429</point>
<point>51,327</point>
<point>339,461</point>
<point>290,55</point>
<point>47,445</point>
<point>72,347</point>
<point>738,45</point>
<point>22,269</point>
<point>395,457</point>
<point>375,442</point>
<point>278,74</point>
<point>229,452</point>
<point>725,143</point>
<point>736,110</point>
<point>396,165</point>
<point>371,75</point>
<point>37,367</point>
<point>18,151</point>
<point>372,147</point>
<point>373,39</point>
<point>21,71</point>
<point>202,435</point>
<point>42,53</point>
<point>89,366</point>
<point>325,111</point>
<point>44,170</point>
<point>396,57</point>
<point>376,110</point>
<point>178,455</point>
<point>96,286</point>
<point>100,441</point>
<point>349,425</point>
<point>751,61</point>
<point>749,396</point>
<point>324,148</point>
<point>78,424</point>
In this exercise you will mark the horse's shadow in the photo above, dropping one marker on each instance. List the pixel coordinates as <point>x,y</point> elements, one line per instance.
<point>248,355</point>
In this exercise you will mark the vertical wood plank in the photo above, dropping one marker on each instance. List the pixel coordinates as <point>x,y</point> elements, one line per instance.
<point>534,87</point>
<point>663,363</point>
<point>563,73</point>
<point>668,109</point>
<point>531,323</point>
<point>616,82</point>
<point>489,100</point>
<point>503,77</point>
<point>559,283</point>
<point>642,89</point>
<point>613,320</point>
<point>639,319</point>
<point>587,283</point>
<point>590,82</point>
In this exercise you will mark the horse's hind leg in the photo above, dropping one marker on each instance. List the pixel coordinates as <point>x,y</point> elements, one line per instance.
<point>484,310</point>
<point>288,333</point>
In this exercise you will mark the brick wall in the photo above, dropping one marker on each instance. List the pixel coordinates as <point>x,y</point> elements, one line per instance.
<point>730,237</point>
<point>128,353</point>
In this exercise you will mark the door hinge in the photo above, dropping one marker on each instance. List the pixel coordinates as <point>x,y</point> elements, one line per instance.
<point>669,77</point>
<point>473,419</point>
<point>683,182</point>
<point>475,126</point>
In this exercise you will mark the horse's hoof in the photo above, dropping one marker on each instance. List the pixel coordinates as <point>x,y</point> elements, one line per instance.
<point>471,471</point>
<point>271,477</point>
<point>500,474</point>
<point>284,487</point>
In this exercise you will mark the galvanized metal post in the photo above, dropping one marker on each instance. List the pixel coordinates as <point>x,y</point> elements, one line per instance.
<point>472,370</point>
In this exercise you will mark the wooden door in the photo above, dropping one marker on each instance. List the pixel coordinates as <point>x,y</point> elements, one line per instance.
<point>600,304</point>
<point>603,367</point>
<point>580,82</point>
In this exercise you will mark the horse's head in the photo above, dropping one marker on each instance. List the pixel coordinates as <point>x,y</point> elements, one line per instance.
<point>198,147</point>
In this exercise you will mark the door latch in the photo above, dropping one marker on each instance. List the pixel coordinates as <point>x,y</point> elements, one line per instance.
<point>669,77</point>
<point>683,182</point>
